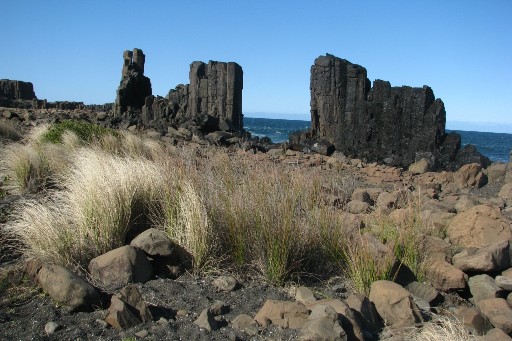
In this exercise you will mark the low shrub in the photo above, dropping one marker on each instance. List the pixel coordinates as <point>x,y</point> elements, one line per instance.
<point>86,132</point>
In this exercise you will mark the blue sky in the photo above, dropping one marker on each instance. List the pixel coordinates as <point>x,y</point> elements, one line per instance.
<point>72,50</point>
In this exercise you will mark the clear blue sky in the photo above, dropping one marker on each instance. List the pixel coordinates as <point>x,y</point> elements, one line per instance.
<point>72,50</point>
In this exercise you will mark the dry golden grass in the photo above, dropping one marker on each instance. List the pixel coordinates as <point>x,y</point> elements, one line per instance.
<point>271,218</point>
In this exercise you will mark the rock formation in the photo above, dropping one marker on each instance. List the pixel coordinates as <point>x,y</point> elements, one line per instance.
<point>16,94</point>
<point>212,101</point>
<point>397,125</point>
<point>134,86</point>
<point>16,90</point>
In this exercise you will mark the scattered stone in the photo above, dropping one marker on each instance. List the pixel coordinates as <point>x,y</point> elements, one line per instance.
<point>419,167</point>
<point>472,320</point>
<point>51,327</point>
<point>162,321</point>
<point>154,242</point>
<point>496,171</point>
<point>505,194</point>
<point>101,323</point>
<point>304,295</point>
<point>361,194</point>
<point>394,304</point>
<point>142,333</point>
<point>504,282</point>
<point>322,324</point>
<point>496,334</point>
<point>358,207</point>
<point>131,295</point>
<point>121,266</point>
<point>67,288</point>
<point>246,324</point>
<point>470,175</point>
<point>206,321</point>
<point>181,313</point>
<point>386,201</point>
<point>498,312</point>
<point>479,226</point>
<point>464,203</point>
<point>487,259</point>
<point>423,291</point>
<point>219,308</point>
<point>364,312</point>
<point>282,313</point>
<point>225,283</point>
<point>483,287</point>
<point>120,315</point>
<point>444,276</point>
<point>349,321</point>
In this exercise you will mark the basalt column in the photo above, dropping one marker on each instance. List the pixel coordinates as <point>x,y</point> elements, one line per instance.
<point>377,123</point>
<point>134,86</point>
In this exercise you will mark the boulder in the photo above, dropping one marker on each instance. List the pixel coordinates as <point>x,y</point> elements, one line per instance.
<point>225,283</point>
<point>206,321</point>
<point>322,324</point>
<point>350,323</point>
<point>120,315</point>
<point>386,201</point>
<point>469,176</point>
<point>358,207</point>
<point>246,324</point>
<point>496,171</point>
<point>479,226</point>
<point>154,243</point>
<point>504,282</point>
<point>472,320</point>
<point>304,295</point>
<point>505,193</point>
<point>496,334</point>
<point>130,294</point>
<point>444,276</point>
<point>361,194</point>
<point>67,288</point>
<point>465,202</point>
<point>120,266</point>
<point>282,313</point>
<point>419,167</point>
<point>423,291</point>
<point>488,259</point>
<point>498,312</point>
<point>394,304</point>
<point>483,287</point>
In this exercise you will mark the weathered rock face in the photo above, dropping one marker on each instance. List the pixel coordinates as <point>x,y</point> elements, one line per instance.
<point>134,86</point>
<point>212,101</point>
<point>16,90</point>
<point>398,125</point>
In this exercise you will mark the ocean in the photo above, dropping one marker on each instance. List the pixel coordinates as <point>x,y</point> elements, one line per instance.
<point>496,146</point>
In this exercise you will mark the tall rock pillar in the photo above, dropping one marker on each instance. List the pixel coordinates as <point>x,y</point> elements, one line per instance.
<point>134,86</point>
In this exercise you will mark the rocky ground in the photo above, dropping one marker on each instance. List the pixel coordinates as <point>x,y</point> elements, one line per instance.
<point>469,276</point>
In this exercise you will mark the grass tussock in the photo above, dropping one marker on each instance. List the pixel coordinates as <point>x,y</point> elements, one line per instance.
<point>442,328</point>
<point>273,219</point>
<point>8,132</point>
<point>84,131</point>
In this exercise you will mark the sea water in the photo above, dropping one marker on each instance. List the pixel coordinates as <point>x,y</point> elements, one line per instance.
<point>495,146</point>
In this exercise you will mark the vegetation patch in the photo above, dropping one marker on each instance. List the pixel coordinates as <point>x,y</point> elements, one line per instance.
<point>86,132</point>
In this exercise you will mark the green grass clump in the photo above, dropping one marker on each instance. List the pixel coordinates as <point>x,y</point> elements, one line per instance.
<point>85,131</point>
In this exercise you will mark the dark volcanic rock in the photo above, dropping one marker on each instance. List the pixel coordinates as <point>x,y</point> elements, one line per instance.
<point>211,102</point>
<point>134,86</point>
<point>16,90</point>
<point>380,122</point>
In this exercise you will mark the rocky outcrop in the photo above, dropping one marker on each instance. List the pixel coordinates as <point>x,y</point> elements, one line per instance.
<point>395,125</point>
<point>16,94</point>
<point>134,86</point>
<point>11,89</point>
<point>212,101</point>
